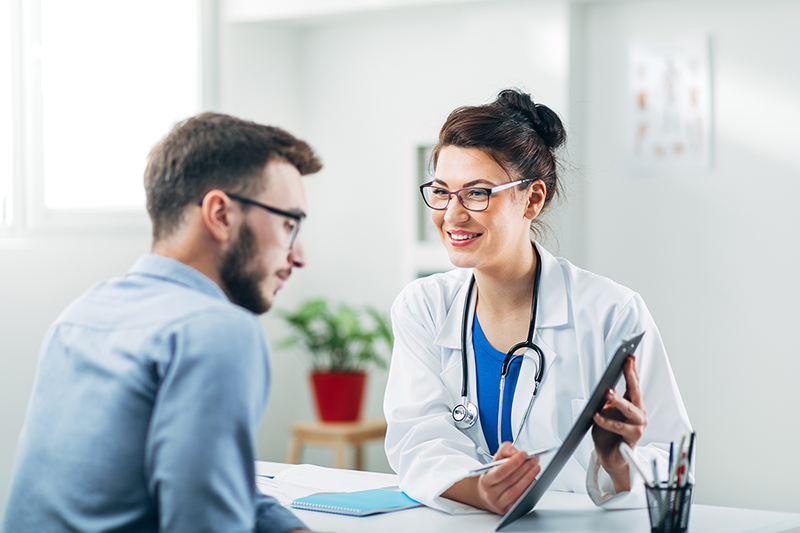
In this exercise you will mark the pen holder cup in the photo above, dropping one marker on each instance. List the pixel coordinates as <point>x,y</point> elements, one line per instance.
<point>669,508</point>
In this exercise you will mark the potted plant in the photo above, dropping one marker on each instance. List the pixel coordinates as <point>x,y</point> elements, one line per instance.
<point>341,346</point>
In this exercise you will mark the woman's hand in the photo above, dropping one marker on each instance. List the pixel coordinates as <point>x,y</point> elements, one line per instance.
<point>499,488</point>
<point>621,419</point>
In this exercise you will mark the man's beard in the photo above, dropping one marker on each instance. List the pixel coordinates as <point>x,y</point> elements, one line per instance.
<point>241,274</point>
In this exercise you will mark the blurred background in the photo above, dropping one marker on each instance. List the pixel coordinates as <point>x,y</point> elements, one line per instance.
<point>88,86</point>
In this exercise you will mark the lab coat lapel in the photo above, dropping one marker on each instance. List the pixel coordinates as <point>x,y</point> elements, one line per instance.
<point>449,335</point>
<point>551,313</point>
<point>553,305</point>
<point>449,338</point>
<point>524,391</point>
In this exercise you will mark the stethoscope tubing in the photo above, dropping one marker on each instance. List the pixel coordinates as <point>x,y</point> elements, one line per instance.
<point>467,411</point>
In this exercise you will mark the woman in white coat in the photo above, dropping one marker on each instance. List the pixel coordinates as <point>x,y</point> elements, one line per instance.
<point>495,173</point>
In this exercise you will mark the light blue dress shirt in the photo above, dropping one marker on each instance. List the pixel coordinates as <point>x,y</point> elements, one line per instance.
<point>148,394</point>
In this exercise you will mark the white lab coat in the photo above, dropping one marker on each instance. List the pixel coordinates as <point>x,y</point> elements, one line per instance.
<point>582,319</point>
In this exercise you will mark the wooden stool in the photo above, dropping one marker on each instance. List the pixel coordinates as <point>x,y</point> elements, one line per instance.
<point>336,435</point>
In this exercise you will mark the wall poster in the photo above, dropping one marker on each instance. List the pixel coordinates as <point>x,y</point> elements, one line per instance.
<point>670,125</point>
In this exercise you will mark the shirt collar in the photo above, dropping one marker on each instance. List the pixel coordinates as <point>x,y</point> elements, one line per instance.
<point>159,266</point>
<point>551,313</point>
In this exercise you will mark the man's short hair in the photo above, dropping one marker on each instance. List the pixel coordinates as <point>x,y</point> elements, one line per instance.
<point>214,151</point>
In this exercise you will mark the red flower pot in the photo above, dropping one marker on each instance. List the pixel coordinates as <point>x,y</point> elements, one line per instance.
<point>338,395</point>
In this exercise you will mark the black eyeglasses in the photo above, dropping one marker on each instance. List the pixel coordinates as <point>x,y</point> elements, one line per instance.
<point>292,227</point>
<point>472,198</point>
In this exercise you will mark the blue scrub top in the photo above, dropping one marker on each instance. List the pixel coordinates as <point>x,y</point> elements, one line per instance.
<point>488,364</point>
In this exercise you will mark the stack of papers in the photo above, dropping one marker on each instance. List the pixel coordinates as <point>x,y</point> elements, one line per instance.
<point>303,480</point>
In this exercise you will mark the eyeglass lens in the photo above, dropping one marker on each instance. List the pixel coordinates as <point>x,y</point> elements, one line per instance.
<point>291,222</point>
<point>295,231</point>
<point>472,198</point>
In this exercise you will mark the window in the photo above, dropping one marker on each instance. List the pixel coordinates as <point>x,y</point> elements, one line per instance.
<point>6,162</point>
<point>99,84</point>
<point>115,77</point>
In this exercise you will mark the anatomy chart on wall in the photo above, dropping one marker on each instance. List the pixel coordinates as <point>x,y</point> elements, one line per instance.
<point>670,124</point>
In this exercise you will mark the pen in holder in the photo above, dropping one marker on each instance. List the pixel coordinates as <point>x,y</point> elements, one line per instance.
<point>669,507</point>
<point>668,503</point>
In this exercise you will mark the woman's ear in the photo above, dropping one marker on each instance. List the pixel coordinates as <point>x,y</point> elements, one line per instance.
<point>537,192</point>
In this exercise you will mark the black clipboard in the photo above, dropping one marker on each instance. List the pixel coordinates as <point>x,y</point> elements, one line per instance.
<point>611,376</point>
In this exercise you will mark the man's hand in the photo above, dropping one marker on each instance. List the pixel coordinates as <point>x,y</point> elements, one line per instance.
<point>621,419</point>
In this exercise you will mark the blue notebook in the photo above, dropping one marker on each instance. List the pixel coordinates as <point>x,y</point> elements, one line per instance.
<point>361,503</point>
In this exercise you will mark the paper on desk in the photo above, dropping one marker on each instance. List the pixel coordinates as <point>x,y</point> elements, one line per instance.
<point>302,480</point>
<point>335,479</point>
<point>282,491</point>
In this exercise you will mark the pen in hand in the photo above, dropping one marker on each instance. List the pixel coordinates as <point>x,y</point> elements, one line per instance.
<point>488,466</point>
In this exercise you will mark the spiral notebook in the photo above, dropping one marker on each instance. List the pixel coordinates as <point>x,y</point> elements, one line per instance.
<point>360,503</point>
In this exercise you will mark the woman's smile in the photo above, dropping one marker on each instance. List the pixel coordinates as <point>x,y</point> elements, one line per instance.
<point>462,238</point>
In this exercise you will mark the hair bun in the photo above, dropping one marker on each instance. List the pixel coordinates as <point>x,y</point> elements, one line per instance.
<point>542,119</point>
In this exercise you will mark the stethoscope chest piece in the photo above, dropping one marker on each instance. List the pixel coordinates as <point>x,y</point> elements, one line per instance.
<point>465,414</point>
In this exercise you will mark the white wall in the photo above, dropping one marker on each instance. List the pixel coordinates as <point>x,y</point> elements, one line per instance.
<point>714,254</point>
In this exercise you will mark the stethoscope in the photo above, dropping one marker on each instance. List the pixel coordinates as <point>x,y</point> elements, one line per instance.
<point>465,414</point>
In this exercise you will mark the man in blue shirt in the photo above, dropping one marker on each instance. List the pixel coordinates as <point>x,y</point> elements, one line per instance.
<point>150,387</point>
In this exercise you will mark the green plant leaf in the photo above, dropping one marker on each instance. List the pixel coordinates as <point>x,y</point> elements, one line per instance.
<point>338,340</point>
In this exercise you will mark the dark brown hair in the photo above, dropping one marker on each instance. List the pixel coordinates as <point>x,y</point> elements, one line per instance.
<point>214,151</point>
<point>520,135</point>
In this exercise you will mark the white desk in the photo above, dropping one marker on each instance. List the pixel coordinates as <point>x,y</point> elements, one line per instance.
<point>555,512</point>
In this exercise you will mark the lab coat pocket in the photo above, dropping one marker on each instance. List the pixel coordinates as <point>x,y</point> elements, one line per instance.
<point>586,446</point>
